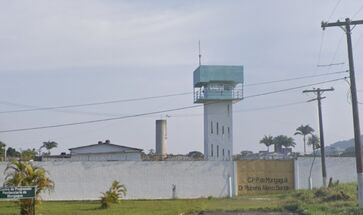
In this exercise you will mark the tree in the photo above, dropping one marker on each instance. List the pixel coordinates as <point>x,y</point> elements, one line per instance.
<point>23,173</point>
<point>151,152</point>
<point>304,130</point>
<point>12,153</point>
<point>284,141</point>
<point>268,141</point>
<point>28,154</point>
<point>113,195</point>
<point>48,145</point>
<point>314,141</point>
<point>195,155</point>
<point>2,151</point>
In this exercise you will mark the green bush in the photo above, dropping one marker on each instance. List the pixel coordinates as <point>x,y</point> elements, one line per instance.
<point>116,192</point>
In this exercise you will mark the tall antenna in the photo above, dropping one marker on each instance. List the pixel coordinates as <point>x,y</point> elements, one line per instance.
<point>200,56</point>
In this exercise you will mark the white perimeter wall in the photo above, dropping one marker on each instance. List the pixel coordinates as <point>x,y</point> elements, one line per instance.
<point>143,180</point>
<point>340,168</point>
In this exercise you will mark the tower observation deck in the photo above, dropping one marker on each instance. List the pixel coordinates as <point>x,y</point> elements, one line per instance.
<point>218,83</point>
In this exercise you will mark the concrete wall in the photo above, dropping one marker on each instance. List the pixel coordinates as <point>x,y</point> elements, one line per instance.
<point>143,180</point>
<point>154,180</point>
<point>340,168</point>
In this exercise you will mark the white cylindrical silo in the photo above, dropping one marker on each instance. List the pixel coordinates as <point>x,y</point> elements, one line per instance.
<point>161,138</point>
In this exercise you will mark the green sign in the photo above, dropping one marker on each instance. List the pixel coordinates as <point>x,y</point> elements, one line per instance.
<point>17,192</point>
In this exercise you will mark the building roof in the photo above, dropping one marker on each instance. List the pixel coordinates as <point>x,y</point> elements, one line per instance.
<point>120,147</point>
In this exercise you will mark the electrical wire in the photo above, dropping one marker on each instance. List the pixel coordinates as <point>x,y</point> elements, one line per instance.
<point>293,79</point>
<point>34,108</point>
<point>270,107</point>
<point>98,120</point>
<point>356,13</point>
<point>320,47</point>
<point>243,110</point>
<point>154,112</point>
<point>31,108</point>
<point>334,9</point>
<point>292,88</point>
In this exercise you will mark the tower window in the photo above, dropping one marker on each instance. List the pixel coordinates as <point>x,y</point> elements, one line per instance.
<point>211,150</point>
<point>217,151</point>
<point>217,128</point>
<point>211,127</point>
<point>229,131</point>
<point>228,111</point>
<point>222,130</point>
<point>229,154</point>
<point>223,152</point>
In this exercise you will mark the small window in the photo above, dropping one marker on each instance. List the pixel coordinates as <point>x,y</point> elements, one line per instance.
<point>223,152</point>
<point>211,150</point>
<point>229,154</point>
<point>222,130</point>
<point>229,131</point>
<point>228,110</point>
<point>211,127</point>
<point>217,151</point>
<point>217,128</point>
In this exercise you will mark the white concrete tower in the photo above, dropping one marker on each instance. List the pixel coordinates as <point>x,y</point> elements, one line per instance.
<point>218,87</point>
<point>161,138</point>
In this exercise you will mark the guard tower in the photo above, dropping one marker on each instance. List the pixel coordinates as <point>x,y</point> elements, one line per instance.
<point>218,87</point>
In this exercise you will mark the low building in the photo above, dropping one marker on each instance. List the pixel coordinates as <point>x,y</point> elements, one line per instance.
<point>105,151</point>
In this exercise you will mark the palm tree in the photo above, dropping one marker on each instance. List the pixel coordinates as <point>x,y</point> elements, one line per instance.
<point>268,141</point>
<point>23,173</point>
<point>314,141</point>
<point>116,191</point>
<point>48,145</point>
<point>283,140</point>
<point>304,130</point>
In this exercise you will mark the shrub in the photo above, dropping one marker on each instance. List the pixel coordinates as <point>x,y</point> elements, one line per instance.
<point>116,192</point>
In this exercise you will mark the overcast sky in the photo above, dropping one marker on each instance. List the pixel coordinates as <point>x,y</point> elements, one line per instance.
<point>72,52</point>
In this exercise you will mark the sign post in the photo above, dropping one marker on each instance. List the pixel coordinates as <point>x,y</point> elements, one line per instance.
<point>11,193</point>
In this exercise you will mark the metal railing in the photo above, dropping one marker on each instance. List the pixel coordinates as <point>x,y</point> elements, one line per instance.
<point>235,94</point>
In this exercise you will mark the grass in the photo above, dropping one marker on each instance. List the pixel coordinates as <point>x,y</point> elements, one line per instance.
<point>157,207</point>
<point>338,200</point>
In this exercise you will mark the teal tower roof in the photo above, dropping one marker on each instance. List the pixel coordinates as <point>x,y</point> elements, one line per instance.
<point>217,83</point>
<point>223,74</point>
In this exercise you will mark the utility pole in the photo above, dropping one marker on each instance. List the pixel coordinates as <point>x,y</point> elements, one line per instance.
<point>345,25</point>
<point>318,93</point>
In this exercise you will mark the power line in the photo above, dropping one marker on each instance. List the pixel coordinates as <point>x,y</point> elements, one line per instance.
<point>154,112</point>
<point>86,104</point>
<point>31,108</point>
<point>331,64</point>
<point>293,88</point>
<point>356,13</point>
<point>320,47</point>
<point>296,78</point>
<point>271,107</point>
<point>333,11</point>
<point>245,110</point>
<point>98,120</point>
